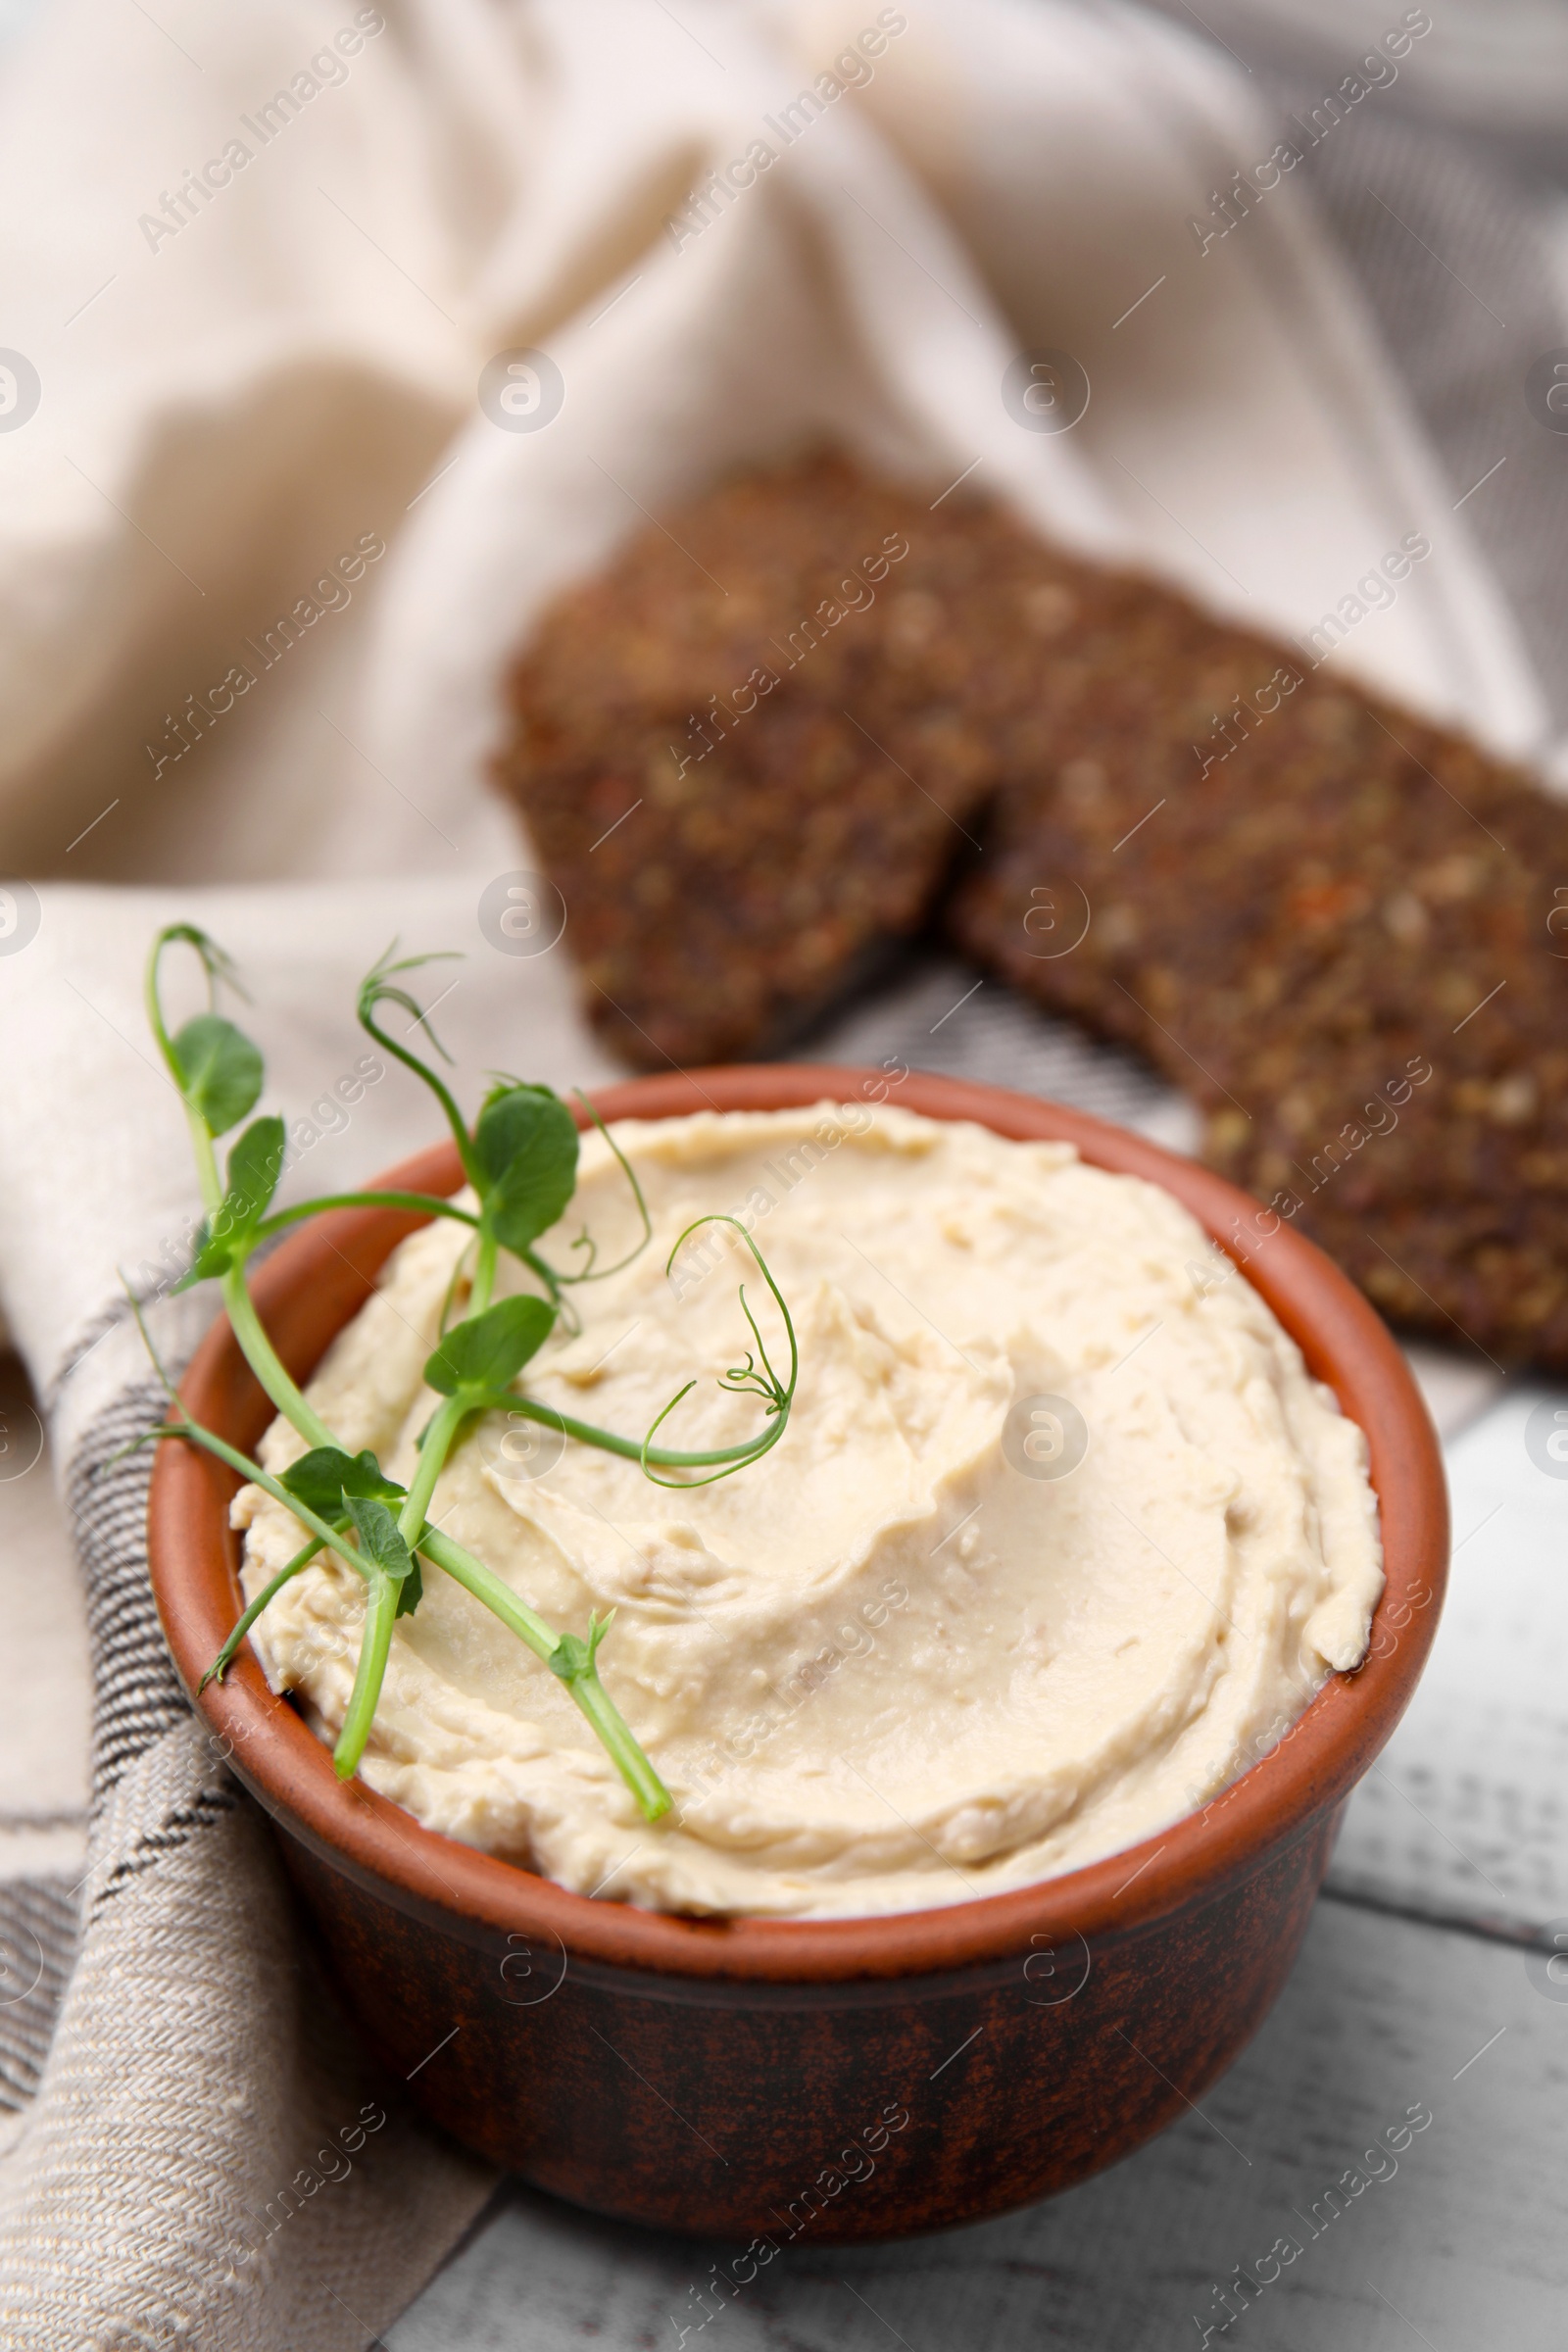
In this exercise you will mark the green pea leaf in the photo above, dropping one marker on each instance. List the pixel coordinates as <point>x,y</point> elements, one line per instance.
<point>525,1145</point>
<point>489,1350</point>
<point>573,1657</point>
<point>220,1069</point>
<point>381,1544</point>
<point>323,1477</point>
<point>213,1256</point>
<point>254,1166</point>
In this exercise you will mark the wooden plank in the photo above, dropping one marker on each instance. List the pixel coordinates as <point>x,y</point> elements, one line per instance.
<point>1464,1817</point>
<point>1460,2244</point>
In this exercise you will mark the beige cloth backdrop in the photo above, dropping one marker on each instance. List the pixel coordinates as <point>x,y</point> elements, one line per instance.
<point>230,404</point>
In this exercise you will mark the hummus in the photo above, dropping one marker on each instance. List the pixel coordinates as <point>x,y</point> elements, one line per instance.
<point>1060,1537</point>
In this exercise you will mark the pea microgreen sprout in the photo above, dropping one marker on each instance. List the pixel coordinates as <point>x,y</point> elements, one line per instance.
<point>520,1161</point>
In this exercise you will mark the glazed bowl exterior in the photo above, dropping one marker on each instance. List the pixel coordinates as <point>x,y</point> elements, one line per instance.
<point>829,2080</point>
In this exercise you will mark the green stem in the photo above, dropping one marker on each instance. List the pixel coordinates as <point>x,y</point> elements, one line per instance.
<point>620,1742</point>
<point>630,1449</point>
<point>586,1688</point>
<point>485,1586</point>
<point>545,1271</point>
<point>484,1272</point>
<point>207,1174</point>
<point>429,1203</point>
<point>375,1642</point>
<point>263,1359</point>
<point>410,1061</point>
<point>381,1603</point>
<point>591,1271</point>
<point>211,1443</point>
<point>439,1437</point>
<point>155,1010</point>
<point>225,1656</point>
<point>569,1320</point>
<point>201,1134</point>
<point>257,1347</point>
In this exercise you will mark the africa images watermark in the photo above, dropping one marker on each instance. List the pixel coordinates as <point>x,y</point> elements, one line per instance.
<point>332,2163</point>
<point>1374,592</point>
<point>855,594</point>
<point>184,729</point>
<point>855,2163</point>
<point>1231,729</point>
<point>1230,205</point>
<point>326,70</point>
<point>791,1691</point>
<point>852,69</point>
<point>1381,1116</point>
<point>1378,2163</point>
<point>788,1168</point>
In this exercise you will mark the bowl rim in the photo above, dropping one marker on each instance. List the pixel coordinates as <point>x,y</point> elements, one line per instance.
<point>193,1557</point>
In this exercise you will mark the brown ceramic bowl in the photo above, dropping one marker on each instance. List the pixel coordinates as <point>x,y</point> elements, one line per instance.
<point>845,2079</point>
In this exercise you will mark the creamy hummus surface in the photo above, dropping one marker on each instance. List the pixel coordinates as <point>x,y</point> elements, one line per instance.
<point>1061,1535</point>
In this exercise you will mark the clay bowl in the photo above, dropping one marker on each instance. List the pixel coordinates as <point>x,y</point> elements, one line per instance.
<point>841,2079</point>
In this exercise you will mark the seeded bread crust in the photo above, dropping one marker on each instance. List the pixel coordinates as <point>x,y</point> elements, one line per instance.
<point>751,751</point>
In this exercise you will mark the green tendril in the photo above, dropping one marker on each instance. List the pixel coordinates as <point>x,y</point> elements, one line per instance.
<point>755,1377</point>
<point>286,1576</point>
<point>590,1271</point>
<point>379,987</point>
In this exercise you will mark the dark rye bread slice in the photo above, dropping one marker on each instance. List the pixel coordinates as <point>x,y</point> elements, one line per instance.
<point>749,751</point>
<point>751,748</point>
<point>1332,924</point>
